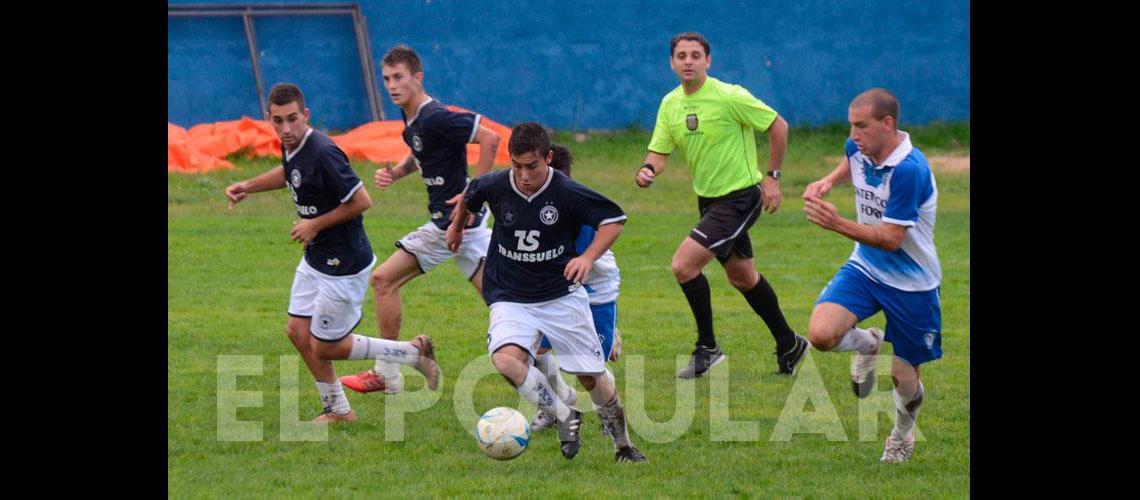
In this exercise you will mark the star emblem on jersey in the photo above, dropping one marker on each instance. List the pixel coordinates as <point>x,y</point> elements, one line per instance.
<point>509,216</point>
<point>691,121</point>
<point>548,215</point>
<point>417,144</point>
<point>296,178</point>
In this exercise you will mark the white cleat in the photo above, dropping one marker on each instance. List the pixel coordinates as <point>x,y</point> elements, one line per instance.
<point>863,367</point>
<point>897,452</point>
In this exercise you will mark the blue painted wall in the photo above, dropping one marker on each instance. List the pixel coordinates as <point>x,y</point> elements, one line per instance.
<point>586,65</point>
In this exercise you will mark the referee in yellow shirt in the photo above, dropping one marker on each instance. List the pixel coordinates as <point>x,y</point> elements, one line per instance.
<point>712,123</point>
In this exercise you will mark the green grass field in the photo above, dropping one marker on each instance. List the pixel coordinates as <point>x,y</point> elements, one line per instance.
<point>229,275</point>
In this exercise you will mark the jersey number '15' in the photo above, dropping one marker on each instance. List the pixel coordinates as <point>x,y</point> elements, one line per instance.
<point>528,240</point>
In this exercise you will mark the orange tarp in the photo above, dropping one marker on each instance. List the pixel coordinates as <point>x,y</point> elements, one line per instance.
<point>204,147</point>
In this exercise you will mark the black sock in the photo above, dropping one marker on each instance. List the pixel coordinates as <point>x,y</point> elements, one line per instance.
<point>700,301</point>
<point>763,300</point>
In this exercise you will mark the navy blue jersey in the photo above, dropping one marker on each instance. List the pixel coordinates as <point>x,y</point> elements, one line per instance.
<point>533,237</point>
<point>320,179</point>
<point>438,138</point>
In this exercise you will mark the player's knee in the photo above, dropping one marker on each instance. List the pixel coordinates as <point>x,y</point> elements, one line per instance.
<point>323,350</point>
<point>743,283</point>
<point>382,283</point>
<point>295,332</point>
<point>683,272</point>
<point>821,338</point>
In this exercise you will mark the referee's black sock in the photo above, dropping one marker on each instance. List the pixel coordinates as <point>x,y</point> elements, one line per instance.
<point>700,301</point>
<point>763,300</point>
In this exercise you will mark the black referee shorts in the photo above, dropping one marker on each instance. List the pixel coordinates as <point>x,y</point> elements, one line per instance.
<point>725,220</point>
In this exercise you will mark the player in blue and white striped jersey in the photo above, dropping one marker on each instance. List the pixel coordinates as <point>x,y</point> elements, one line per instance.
<point>894,266</point>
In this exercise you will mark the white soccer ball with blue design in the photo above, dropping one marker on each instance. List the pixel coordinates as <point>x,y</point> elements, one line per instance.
<point>503,433</point>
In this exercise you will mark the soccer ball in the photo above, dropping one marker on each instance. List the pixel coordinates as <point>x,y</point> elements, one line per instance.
<point>503,433</point>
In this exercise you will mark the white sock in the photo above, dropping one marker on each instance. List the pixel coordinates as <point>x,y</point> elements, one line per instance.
<point>538,392</point>
<point>904,419</point>
<point>857,339</point>
<point>332,396</point>
<point>548,365</point>
<point>390,371</point>
<point>383,350</point>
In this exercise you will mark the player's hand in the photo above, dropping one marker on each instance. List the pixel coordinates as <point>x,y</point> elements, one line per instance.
<point>615,351</point>
<point>304,231</point>
<point>454,236</point>
<point>645,177</point>
<point>772,195</point>
<point>236,192</point>
<point>817,189</point>
<point>578,269</point>
<point>821,213</point>
<point>384,177</point>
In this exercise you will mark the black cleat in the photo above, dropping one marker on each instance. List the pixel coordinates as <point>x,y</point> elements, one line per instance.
<point>786,362</point>
<point>628,454</point>
<point>568,433</point>
<point>702,359</point>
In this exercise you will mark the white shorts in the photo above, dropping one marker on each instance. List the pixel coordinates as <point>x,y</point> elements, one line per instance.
<point>428,245</point>
<point>332,302</point>
<point>566,322</point>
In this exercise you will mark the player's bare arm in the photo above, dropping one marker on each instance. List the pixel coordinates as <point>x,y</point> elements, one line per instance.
<point>488,141</point>
<point>645,175</point>
<point>455,230</point>
<point>777,146</point>
<point>273,179</point>
<point>305,230</point>
<point>885,236</point>
<point>579,267</point>
<point>384,177</point>
<point>820,188</point>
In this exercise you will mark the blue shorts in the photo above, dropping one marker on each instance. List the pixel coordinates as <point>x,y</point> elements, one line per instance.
<point>605,318</point>
<point>914,319</point>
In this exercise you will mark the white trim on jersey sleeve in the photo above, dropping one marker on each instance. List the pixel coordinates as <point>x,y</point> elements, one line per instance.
<point>897,222</point>
<point>475,129</point>
<point>289,155</point>
<point>352,191</point>
<point>612,220</point>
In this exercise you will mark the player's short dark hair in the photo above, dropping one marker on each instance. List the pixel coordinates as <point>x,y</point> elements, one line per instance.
<point>883,103</point>
<point>562,160</point>
<point>529,137</point>
<point>693,36</point>
<point>403,54</point>
<point>285,93</point>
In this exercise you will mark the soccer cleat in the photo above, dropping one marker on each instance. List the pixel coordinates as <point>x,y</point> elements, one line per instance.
<point>896,452</point>
<point>702,359</point>
<point>568,433</point>
<point>863,368</point>
<point>628,454</point>
<point>542,421</point>
<point>786,362</point>
<point>425,362</point>
<point>370,381</point>
<point>330,416</point>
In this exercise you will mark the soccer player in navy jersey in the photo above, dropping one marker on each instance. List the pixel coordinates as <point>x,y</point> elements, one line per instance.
<point>894,266</point>
<point>533,282</point>
<point>332,277</point>
<point>438,138</point>
<point>602,285</point>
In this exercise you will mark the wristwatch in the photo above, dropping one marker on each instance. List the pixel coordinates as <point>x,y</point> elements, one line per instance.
<point>775,174</point>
